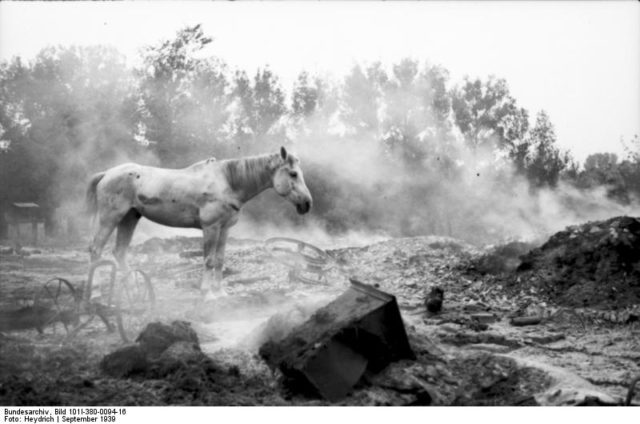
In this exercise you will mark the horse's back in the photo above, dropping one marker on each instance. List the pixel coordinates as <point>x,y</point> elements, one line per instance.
<point>201,164</point>
<point>122,168</point>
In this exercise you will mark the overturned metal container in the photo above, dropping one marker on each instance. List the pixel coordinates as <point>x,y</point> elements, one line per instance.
<point>360,331</point>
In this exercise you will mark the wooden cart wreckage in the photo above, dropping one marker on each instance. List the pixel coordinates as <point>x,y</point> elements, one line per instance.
<point>126,299</point>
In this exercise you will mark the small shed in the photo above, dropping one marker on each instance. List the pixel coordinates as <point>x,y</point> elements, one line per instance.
<point>25,222</point>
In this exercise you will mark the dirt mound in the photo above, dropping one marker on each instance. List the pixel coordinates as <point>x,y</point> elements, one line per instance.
<point>158,337</point>
<point>160,350</point>
<point>596,264</point>
<point>170,354</point>
<point>500,259</point>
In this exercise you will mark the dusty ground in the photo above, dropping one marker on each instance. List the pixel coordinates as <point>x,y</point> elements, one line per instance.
<point>468,354</point>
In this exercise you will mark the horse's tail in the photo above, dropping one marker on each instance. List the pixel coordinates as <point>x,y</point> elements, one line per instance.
<point>92,196</point>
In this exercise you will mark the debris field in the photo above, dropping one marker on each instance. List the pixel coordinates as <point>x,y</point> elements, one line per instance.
<point>557,323</point>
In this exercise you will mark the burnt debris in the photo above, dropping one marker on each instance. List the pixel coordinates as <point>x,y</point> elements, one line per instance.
<point>360,331</point>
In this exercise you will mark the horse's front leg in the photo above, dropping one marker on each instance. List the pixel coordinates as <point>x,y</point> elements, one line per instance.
<point>210,240</point>
<point>219,255</point>
<point>220,219</point>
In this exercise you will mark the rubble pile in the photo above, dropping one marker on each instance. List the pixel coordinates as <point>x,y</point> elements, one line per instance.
<point>171,354</point>
<point>466,329</point>
<point>596,264</point>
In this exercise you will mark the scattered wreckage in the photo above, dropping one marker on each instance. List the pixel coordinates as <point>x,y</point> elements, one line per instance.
<point>58,301</point>
<point>358,349</point>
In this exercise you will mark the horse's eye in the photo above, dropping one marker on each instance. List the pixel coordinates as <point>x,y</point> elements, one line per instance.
<point>293,174</point>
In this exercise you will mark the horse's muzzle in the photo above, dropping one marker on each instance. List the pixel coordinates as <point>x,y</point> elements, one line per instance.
<point>303,207</point>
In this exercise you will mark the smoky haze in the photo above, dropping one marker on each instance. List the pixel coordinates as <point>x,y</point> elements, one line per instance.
<point>388,150</point>
<point>482,200</point>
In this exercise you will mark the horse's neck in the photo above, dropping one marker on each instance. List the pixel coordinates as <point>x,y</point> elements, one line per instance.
<point>249,177</point>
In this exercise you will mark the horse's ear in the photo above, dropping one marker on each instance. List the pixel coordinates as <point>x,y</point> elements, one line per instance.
<point>283,153</point>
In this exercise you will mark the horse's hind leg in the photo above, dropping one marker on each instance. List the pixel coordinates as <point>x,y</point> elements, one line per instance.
<point>214,260</point>
<point>100,239</point>
<point>126,228</point>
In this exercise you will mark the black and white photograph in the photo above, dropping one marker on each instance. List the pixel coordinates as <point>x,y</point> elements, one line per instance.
<point>318,203</point>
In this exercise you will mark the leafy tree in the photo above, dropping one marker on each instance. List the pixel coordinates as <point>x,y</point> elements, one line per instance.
<point>538,157</point>
<point>487,114</point>
<point>404,114</point>
<point>184,99</point>
<point>72,99</point>
<point>261,108</point>
<point>22,170</point>
<point>630,168</point>
<point>416,119</point>
<point>306,97</point>
<point>313,106</point>
<point>602,167</point>
<point>361,99</point>
<point>630,181</point>
<point>632,149</point>
<point>622,179</point>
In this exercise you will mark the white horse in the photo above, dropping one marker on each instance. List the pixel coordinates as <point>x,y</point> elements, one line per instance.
<point>207,195</point>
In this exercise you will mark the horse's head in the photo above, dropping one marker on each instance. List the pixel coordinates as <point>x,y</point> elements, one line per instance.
<point>288,182</point>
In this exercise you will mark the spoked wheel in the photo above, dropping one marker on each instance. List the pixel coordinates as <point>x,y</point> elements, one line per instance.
<point>57,302</point>
<point>135,302</point>
<point>97,296</point>
<point>304,259</point>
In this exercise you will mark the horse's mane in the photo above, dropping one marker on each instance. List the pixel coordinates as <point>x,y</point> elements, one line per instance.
<point>250,174</point>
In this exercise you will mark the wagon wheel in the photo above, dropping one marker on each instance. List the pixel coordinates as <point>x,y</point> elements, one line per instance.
<point>135,303</point>
<point>97,301</point>
<point>297,254</point>
<point>57,301</point>
<point>304,259</point>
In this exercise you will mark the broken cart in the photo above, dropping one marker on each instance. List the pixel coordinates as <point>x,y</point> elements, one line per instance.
<point>129,300</point>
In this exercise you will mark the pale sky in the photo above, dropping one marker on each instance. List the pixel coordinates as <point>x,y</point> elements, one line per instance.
<point>580,61</point>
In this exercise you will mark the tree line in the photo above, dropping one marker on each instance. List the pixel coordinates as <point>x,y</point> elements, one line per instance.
<point>73,111</point>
